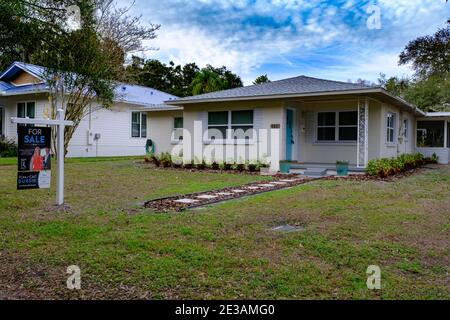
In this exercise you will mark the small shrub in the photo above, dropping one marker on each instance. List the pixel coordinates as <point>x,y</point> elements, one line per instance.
<point>155,160</point>
<point>166,159</point>
<point>201,165</point>
<point>215,165</point>
<point>7,148</point>
<point>386,167</point>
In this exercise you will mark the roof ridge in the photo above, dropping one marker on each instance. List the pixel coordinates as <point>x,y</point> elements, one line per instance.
<point>141,86</point>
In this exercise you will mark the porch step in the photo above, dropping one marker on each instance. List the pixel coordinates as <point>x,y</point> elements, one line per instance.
<point>315,172</point>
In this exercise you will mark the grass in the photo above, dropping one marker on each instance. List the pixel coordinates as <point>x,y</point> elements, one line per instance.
<point>226,250</point>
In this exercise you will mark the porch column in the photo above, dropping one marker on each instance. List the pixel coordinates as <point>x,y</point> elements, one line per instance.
<point>362,149</point>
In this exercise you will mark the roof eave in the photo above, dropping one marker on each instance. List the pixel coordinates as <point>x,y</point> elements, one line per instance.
<point>301,95</point>
<point>273,96</point>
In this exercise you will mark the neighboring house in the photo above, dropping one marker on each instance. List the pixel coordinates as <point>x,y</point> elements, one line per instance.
<point>320,122</point>
<point>117,131</point>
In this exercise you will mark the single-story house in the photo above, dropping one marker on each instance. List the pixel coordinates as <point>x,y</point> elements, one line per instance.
<point>117,131</point>
<point>319,121</point>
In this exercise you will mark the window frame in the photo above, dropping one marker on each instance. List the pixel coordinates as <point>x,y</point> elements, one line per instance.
<point>229,139</point>
<point>26,109</point>
<point>174,129</point>
<point>336,127</point>
<point>424,131</point>
<point>390,115</point>
<point>142,127</point>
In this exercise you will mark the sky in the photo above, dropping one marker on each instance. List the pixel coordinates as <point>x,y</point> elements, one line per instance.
<point>332,39</point>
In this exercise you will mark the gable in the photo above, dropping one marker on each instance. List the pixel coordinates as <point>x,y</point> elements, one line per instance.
<point>24,78</point>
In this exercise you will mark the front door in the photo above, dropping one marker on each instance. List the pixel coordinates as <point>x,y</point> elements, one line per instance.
<point>289,133</point>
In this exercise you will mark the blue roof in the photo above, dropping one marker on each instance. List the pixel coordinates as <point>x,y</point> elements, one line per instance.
<point>127,93</point>
<point>18,67</point>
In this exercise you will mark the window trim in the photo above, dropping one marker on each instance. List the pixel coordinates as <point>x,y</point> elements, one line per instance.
<point>173,140</point>
<point>141,113</point>
<point>336,128</point>
<point>388,128</point>
<point>229,129</point>
<point>26,108</point>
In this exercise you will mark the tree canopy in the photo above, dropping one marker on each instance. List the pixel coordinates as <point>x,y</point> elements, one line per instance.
<point>261,79</point>
<point>179,80</point>
<point>429,88</point>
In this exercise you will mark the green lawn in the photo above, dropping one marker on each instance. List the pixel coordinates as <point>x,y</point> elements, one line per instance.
<point>226,250</point>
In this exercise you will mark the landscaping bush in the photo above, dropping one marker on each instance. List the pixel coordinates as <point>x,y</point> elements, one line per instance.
<point>389,166</point>
<point>7,148</point>
<point>165,160</point>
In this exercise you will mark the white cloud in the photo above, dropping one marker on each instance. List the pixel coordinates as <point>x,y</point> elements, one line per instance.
<point>250,37</point>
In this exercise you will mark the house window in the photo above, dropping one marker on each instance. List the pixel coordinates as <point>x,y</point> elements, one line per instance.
<point>239,122</point>
<point>178,128</point>
<point>430,134</point>
<point>337,126</point>
<point>26,110</point>
<point>326,126</point>
<point>348,126</point>
<point>138,125</point>
<point>242,124</point>
<point>390,127</point>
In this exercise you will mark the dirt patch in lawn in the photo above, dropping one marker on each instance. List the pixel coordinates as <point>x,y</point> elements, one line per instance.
<point>21,279</point>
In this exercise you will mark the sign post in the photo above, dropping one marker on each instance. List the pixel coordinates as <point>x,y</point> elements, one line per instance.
<point>34,137</point>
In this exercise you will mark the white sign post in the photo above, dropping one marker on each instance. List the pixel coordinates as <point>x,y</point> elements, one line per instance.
<point>60,124</point>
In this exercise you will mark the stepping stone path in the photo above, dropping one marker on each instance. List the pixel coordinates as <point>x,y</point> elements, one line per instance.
<point>187,201</point>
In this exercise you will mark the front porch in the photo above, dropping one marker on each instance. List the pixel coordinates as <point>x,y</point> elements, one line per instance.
<point>314,168</point>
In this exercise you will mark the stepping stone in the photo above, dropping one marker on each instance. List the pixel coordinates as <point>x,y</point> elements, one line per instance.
<point>288,228</point>
<point>279,183</point>
<point>238,191</point>
<point>186,201</point>
<point>253,188</point>
<point>288,180</point>
<point>206,196</point>
<point>224,193</point>
<point>266,185</point>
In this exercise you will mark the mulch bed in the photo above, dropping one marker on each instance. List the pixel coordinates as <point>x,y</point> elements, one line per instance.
<point>169,204</point>
<point>395,177</point>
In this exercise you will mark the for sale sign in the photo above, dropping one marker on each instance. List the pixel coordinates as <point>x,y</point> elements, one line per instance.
<point>34,159</point>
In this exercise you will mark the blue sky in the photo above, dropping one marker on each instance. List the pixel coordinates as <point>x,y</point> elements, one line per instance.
<point>284,38</point>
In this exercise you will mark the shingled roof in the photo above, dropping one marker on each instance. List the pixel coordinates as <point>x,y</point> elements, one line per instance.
<point>290,86</point>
